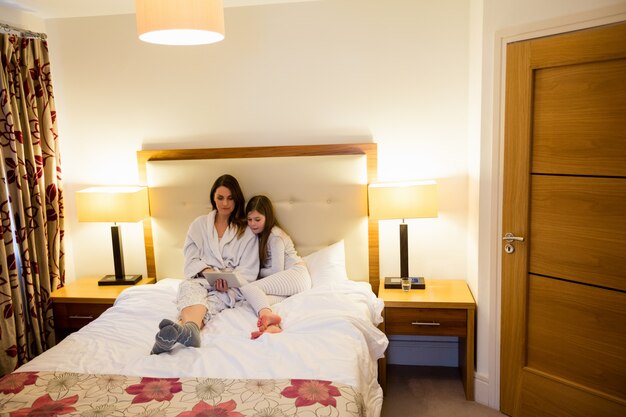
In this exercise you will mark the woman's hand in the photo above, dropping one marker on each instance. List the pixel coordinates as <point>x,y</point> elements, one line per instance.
<point>221,285</point>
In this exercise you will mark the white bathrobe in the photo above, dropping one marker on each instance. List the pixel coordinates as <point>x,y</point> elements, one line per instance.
<point>203,249</point>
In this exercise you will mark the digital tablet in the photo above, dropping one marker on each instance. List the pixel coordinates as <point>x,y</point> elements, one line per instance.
<point>233,280</point>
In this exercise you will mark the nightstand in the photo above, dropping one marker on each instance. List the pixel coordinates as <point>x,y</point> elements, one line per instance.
<point>443,308</point>
<point>82,301</point>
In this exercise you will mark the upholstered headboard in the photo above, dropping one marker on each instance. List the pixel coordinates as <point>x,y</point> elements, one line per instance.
<point>319,193</point>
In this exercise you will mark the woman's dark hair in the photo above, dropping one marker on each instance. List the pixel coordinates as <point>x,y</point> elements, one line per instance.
<point>238,216</point>
<point>263,205</point>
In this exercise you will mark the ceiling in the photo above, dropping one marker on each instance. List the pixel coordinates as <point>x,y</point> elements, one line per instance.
<point>50,9</point>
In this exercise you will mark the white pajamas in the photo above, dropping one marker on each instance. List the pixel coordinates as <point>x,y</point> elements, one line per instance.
<point>204,249</point>
<point>284,273</point>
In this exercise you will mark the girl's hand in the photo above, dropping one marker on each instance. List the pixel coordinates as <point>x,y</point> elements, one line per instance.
<point>221,285</point>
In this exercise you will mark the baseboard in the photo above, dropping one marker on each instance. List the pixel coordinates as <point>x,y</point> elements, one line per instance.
<point>482,390</point>
<point>423,351</point>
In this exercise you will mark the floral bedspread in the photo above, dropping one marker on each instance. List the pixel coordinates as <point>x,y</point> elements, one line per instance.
<point>72,394</point>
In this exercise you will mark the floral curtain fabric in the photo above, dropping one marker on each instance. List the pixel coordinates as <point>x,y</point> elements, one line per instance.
<point>31,201</point>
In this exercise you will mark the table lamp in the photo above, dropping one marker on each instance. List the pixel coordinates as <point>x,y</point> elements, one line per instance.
<point>405,200</point>
<point>113,205</point>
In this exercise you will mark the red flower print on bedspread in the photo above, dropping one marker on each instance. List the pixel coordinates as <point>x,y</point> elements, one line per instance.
<point>14,383</point>
<point>311,391</point>
<point>45,406</point>
<point>203,409</point>
<point>158,389</point>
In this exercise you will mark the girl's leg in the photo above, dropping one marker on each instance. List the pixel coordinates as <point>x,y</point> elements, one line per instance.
<point>285,283</point>
<point>267,319</point>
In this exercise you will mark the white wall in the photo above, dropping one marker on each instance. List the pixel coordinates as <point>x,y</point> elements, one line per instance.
<point>392,72</point>
<point>22,20</point>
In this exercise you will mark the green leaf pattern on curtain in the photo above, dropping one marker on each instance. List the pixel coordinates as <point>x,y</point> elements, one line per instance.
<point>31,202</point>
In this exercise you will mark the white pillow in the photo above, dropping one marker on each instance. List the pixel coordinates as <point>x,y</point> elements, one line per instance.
<point>327,265</point>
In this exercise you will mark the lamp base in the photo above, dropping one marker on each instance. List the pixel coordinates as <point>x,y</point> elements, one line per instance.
<point>125,280</point>
<point>417,283</point>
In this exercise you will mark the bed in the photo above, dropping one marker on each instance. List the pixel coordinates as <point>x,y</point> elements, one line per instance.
<point>324,363</point>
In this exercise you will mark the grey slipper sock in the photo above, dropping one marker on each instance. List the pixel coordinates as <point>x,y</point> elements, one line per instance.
<point>165,322</point>
<point>189,334</point>
<point>170,332</point>
<point>165,339</point>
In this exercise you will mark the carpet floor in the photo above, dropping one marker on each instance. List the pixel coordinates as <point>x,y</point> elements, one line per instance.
<point>424,391</point>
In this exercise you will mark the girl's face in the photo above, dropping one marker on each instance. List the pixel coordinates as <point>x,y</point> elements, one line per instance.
<point>224,201</point>
<point>256,222</point>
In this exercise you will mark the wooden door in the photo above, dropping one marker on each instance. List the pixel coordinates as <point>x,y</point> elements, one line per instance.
<point>563,323</point>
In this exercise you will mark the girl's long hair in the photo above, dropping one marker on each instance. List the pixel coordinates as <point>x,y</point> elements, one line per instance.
<point>238,216</point>
<point>263,205</point>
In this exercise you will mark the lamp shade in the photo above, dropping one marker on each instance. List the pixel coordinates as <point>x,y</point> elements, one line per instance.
<point>112,204</point>
<point>406,200</point>
<point>180,22</point>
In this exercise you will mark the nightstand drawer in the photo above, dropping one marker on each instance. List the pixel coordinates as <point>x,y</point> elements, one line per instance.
<point>426,321</point>
<point>82,301</point>
<point>70,317</point>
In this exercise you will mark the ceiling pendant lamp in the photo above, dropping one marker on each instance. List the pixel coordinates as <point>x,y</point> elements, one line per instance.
<point>180,22</point>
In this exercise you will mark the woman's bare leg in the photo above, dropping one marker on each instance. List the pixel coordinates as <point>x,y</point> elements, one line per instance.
<point>195,314</point>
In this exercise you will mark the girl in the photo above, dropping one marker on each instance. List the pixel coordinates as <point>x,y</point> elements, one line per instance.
<point>283,272</point>
<point>218,241</point>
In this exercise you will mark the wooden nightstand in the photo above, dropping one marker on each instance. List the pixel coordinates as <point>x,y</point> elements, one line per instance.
<point>443,308</point>
<point>82,301</point>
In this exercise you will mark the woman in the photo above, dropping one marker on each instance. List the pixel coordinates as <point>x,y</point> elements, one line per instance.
<point>218,241</point>
<point>283,272</point>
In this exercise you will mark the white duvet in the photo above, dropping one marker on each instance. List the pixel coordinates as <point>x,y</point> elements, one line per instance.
<point>329,332</point>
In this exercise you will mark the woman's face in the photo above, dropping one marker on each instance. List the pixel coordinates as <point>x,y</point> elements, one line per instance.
<point>224,201</point>
<point>256,221</point>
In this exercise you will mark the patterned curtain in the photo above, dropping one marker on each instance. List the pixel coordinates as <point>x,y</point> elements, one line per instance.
<point>31,202</point>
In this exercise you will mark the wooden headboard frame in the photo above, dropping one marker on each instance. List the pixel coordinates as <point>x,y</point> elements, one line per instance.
<point>369,150</point>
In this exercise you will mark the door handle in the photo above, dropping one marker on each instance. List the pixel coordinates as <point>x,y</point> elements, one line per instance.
<point>509,238</point>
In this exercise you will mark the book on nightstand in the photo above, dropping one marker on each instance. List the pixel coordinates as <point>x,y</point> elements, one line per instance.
<point>396,282</point>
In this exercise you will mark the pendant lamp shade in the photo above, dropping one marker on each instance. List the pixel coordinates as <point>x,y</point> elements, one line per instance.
<point>180,22</point>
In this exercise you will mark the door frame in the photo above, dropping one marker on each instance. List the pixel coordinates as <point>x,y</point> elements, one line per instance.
<point>586,20</point>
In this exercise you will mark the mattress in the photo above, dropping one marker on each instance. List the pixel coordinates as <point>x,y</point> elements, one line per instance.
<point>323,363</point>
